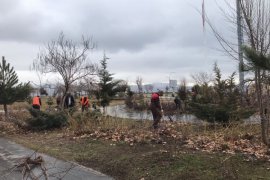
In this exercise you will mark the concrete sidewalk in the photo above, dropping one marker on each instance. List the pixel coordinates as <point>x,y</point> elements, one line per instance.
<point>11,154</point>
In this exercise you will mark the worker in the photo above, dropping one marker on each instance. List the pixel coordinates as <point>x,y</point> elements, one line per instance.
<point>84,103</point>
<point>36,104</point>
<point>156,109</point>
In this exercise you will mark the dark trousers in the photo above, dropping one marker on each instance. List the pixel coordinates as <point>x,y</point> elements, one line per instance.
<point>84,108</point>
<point>35,106</point>
<point>156,118</point>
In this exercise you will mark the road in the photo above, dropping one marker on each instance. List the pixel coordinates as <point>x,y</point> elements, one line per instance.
<point>12,154</point>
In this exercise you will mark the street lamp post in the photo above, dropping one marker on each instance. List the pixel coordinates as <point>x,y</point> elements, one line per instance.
<point>240,44</point>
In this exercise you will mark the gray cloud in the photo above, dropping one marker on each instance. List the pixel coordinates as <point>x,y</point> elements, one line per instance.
<point>140,37</point>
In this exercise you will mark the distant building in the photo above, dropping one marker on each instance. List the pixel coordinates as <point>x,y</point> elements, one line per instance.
<point>157,86</point>
<point>173,84</point>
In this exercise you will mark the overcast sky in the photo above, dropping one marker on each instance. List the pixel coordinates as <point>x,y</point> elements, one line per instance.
<point>153,39</point>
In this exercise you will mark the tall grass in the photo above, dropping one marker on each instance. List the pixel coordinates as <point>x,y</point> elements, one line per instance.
<point>81,123</point>
<point>88,123</point>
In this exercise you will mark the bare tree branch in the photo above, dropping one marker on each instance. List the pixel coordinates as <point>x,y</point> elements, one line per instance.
<point>66,58</point>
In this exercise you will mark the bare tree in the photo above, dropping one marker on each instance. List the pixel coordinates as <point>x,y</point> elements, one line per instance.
<point>202,78</point>
<point>256,26</point>
<point>139,83</point>
<point>58,89</point>
<point>255,15</point>
<point>256,35</point>
<point>89,85</point>
<point>39,75</point>
<point>66,58</point>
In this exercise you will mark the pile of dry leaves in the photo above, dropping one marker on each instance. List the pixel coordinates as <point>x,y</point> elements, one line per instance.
<point>171,133</point>
<point>8,127</point>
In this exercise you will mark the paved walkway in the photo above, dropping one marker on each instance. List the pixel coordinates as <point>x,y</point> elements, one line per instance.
<point>11,154</point>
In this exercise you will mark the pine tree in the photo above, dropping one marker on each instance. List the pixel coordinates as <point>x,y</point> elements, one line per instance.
<point>9,93</point>
<point>259,63</point>
<point>108,87</point>
<point>220,102</point>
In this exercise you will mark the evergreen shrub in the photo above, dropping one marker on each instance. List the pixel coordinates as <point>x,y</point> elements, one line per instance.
<point>44,121</point>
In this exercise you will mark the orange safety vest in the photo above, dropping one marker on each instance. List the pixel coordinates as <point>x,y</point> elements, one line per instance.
<point>82,100</point>
<point>86,102</point>
<point>36,101</point>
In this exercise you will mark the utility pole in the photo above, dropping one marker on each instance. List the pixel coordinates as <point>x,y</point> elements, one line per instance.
<point>240,44</point>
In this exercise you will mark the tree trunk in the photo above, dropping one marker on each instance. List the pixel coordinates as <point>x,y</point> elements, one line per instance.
<point>264,124</point>
<point>264,129</point>
<point>63,100</point>
<point>5,110</point>
<point>64,95</point>
<point>267,113</point>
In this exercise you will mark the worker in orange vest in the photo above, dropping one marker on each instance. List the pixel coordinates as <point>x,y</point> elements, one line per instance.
<point>84,103</point>
<point>36,102</point>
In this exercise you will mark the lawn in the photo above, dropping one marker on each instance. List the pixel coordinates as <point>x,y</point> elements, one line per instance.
<point>130,149</point>
<point>125,149</point>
